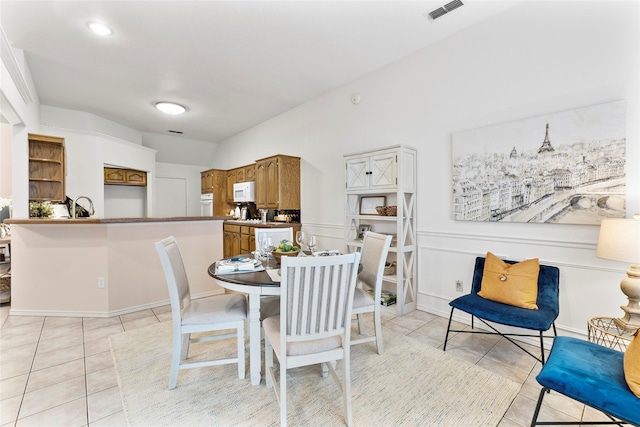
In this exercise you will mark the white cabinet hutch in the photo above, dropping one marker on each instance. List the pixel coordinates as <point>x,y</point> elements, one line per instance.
<point>385,175</point>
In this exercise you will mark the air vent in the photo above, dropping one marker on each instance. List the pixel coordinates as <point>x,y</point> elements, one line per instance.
<point>175,131</point>
<point>453,5</point>
<point>435,14</point>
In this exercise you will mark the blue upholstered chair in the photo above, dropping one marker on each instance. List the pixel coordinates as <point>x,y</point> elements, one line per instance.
<point>540,320</point>
<point>591,374</point>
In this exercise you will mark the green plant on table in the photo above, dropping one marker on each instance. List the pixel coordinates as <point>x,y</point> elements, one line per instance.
<point>287,246</point>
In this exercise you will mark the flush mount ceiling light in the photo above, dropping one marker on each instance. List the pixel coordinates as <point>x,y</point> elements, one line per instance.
<point>170,108</point>
<point>99,28</point>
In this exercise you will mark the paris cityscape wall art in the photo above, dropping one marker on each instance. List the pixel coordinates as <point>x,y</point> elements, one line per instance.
<point>566,168</point>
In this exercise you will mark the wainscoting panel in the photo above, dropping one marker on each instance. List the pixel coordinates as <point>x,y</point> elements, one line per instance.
<point>589,286</point>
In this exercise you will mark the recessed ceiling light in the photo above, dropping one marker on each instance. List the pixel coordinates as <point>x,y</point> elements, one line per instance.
<point>99,28</point>
<point>170,108</point>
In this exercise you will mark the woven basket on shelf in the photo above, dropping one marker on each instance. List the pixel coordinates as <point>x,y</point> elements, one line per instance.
<point>382,210</point>
<point>392,210</point>
<point>389,268</point>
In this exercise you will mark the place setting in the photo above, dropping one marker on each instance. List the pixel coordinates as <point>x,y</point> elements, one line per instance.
<point>238,265</point>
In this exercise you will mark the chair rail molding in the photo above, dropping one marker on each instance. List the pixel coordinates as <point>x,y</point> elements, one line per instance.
<point>542,260</point>
<point>515,240</point>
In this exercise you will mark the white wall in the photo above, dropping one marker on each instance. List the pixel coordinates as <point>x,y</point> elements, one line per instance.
<point>6,180</point>
<point>20,108</point>
<point>534,59</point>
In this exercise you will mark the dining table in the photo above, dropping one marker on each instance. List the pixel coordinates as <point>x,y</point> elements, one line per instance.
<point>256,284</point>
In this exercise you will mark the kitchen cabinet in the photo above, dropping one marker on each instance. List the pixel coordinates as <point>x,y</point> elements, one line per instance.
<point>245,173</point>
<point>120,176</point>
<point>278,182</point>
<point>231,240</point>
<point>231,179</point>
<point>393,175</point>
<point>247,239</point>
<point>249,173</point>
<point>239,174</point>
<point>47,171</point>
<point>214,181</point>
<point>372,172</point>
<point>206,182</point>
<point>240,238</point>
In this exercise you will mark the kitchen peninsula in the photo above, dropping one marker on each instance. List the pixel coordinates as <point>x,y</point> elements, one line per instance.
<point>103,267</point>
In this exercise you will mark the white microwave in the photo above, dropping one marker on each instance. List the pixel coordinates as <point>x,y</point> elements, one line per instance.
<point>244,192</point>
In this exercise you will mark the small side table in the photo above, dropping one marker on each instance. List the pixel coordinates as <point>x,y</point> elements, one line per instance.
<point>604,331</point>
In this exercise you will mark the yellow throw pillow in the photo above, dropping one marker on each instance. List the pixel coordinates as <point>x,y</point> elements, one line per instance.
<point>513,284</point>
<point>632,365</point>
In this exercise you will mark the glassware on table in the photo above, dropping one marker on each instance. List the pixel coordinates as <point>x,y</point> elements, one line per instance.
<point>267,247</point>
<point>312,244</point>
<point>301,238</point>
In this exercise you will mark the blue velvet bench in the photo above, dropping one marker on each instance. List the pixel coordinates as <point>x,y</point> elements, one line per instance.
<point>486,311</point>
<point>591,374</point>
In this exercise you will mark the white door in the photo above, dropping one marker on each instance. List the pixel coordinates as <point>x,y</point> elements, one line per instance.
<point>170,197</point>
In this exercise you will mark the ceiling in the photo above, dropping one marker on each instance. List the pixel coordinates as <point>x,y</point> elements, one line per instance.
<point>234,64</point>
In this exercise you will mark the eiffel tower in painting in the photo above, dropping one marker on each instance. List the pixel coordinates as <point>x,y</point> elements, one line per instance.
<point>546,144</point>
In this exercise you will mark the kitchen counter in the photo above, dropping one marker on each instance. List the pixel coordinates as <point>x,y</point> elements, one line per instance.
<point>269,224</point>
<point>107,266</point>
<point>67,221</point>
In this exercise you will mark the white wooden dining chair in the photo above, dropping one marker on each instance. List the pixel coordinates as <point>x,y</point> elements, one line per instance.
<point>269,305</point>
<point>316,297</point>
<point>216,313</point>
<point>375,248</point>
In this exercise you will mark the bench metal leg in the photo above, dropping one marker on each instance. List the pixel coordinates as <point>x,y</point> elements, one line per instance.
<point>446,338</point>
<point>535,422</point>
<point>538,406</point>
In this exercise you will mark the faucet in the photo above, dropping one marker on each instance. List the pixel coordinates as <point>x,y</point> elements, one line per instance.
<point>73,207</point>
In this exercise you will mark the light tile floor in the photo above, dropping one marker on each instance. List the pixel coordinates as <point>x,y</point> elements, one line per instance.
<point>58,371</point>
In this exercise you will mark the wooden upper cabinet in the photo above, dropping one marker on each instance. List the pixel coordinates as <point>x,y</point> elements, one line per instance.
<point>250,172</point>
<point>47,172</point>
<point>278,182</point>
<point>231,179</point>
<point>206,182</point>
<point>115,176</point>
<point>135,177</point>
<point>261,184</point>
<point>239,174</point>
<point>120,176</point>
<point>214,181</point>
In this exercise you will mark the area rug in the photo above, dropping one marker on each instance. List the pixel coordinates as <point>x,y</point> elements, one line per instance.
<point>411,384</point>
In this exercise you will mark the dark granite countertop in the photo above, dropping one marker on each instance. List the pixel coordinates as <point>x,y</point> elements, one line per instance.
<point>90,220</point>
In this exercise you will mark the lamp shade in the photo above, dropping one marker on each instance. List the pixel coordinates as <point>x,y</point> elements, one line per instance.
<point>619,240</point>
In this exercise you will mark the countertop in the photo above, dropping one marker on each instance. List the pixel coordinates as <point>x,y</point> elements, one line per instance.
<point>268,224</point>
<point>51,221</point>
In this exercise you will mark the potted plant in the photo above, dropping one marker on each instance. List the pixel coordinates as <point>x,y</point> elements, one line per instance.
<point>285,248</point>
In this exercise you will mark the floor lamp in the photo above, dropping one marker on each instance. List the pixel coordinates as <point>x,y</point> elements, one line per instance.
<point>619,240</point>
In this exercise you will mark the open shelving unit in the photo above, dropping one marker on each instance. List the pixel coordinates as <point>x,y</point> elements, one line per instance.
<point>389,175</point>
<point>46,168</point>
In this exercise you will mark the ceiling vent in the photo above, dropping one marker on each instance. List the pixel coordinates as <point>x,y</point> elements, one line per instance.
<point>435,14</point>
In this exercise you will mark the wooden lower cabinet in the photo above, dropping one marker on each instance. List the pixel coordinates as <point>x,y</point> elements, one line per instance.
<point>231,240</point>
<point>241,239</point>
